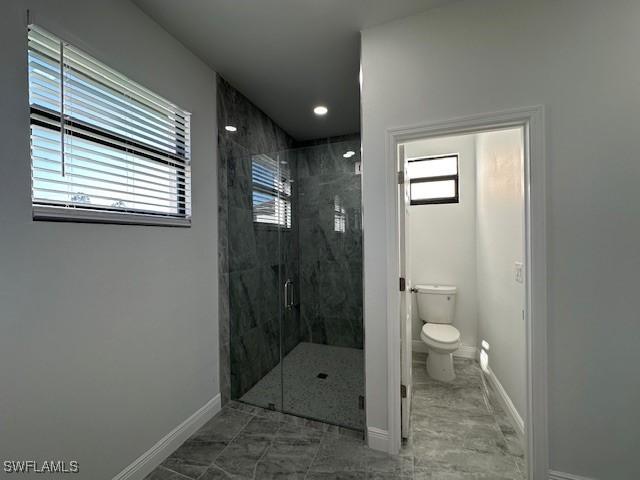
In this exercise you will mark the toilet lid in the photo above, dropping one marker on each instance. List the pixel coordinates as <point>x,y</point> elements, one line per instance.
<point>439,332</point>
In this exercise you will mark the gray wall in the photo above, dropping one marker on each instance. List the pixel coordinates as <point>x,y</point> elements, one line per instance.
<point>500,243</point>
<point>578,58</point>
<point>108,333</point>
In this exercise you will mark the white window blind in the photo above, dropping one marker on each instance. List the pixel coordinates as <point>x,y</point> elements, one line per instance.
<point>103,148</point>
<point>271,191</point>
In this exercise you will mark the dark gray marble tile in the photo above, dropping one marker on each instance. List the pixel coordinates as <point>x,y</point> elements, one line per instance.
<point>381,463</point>
<point>340,454</point>
<point>442,459</point>
<point>243,407</point>
<point>225,373</point>
<point>242,455</point>
<point>455,398</point>
<point>421,474</point>
<point>387,476</point>
<point>215,473</point>
<point>162,473</point>
<point>290,454</point>
<point>347,432</point>
<point>194,456</point>
<point>456,430</point>
<point>336,475</point>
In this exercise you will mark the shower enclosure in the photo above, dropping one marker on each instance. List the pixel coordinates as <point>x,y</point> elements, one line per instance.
<point>295,280</point>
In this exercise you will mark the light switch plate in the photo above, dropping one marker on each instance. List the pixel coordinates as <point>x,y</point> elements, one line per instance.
<point>519,272</point>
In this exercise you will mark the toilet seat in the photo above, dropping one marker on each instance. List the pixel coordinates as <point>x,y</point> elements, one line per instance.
<point>440,334</point>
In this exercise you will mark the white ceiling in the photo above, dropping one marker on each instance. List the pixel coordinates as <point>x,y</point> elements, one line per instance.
<point>285,55</point>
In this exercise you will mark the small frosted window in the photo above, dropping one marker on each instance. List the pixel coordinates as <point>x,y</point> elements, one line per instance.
<point>433,190</point>
<point>433,179</point>
<point>436,167</point>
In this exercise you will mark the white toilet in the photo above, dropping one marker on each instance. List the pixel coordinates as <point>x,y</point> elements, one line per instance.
<point>436,305</point>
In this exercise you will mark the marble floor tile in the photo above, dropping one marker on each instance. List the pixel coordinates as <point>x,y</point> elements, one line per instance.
<point>338,475</point>
<point>161,473</point>
<point>381,464</point>
<point>340,454</point>
<point>458,432</point>
<point>243,453</point>
<point>194,456</point>
<point>215,473</point>
<point>291,453</point>
<point>387,476</point>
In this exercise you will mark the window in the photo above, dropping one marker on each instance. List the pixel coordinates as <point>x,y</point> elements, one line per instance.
<point>433,179</point>
<point>339,215</point>
<point>271,191</point>
<point>103,148</point>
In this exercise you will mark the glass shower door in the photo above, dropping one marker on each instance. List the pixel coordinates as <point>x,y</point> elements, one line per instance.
<point>295,282</point>
<point>322,328</point>
<point>255,293</point>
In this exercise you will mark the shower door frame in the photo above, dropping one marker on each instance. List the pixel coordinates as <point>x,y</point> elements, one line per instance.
<point>531,120</point>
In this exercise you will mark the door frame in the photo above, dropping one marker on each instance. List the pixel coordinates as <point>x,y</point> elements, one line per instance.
<point>531,120</point>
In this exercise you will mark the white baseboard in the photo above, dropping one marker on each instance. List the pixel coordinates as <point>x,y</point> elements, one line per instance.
<point>465,351</point>
<point>554,475</point>
<point>378,439</point>
<point>150,459</point>
<point>507,404</point>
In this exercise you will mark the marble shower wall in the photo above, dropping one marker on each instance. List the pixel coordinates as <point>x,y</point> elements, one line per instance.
<point>323,261</point>
<point>249,254</point>
<point>330,213</point>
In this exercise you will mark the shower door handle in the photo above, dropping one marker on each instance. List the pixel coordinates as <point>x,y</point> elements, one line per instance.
<point>288,294</point>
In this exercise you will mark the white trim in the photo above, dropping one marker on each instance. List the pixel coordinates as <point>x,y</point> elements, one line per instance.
<point>507,404</point>
<point>554,475</point>
<point>531,119</point>
<point>85,215</point>
<point>145,463</point>
<point>465,351</point>
<point>378,439</point>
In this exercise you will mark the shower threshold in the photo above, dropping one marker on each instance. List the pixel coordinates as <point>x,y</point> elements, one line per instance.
<point>318,382</point>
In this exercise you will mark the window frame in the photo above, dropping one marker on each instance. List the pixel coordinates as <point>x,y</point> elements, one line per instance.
<point>440,200</point>
<point>57,121</point>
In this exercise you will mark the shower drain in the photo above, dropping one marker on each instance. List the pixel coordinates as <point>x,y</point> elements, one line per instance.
<point>322,375</point>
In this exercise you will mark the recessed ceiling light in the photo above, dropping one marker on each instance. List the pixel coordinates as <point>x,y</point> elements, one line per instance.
<point>320,110</point>
<point>349,154</point>
<point>230,128</point>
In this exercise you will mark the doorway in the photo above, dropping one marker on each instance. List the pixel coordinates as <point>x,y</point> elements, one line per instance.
<point>532,273</point>
<point>464,238</point>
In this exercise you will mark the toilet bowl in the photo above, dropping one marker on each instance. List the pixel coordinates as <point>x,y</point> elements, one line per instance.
<point>441,341</point>
<point>436,306</point>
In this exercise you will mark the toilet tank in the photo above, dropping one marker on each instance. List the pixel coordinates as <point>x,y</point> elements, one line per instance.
<point>436,303</point>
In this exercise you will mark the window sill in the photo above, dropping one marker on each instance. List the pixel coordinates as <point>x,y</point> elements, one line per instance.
<point>80,215</point>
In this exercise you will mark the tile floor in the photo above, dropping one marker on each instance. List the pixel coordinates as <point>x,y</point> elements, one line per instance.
<point>459,430</point>
<point>458,433</point>
<point>332,399</point>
